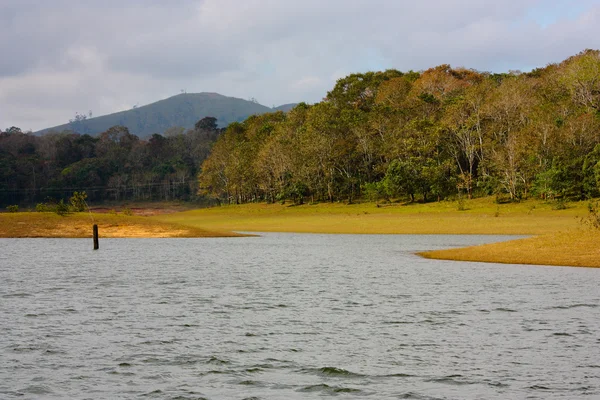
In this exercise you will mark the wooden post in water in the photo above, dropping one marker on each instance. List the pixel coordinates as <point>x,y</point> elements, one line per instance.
<point>95,237</point>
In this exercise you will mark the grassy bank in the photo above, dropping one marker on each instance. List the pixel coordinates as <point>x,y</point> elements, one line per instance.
<point>79,225</point>
<point>560,238</point>
<point>577,248</point>
<point>481,216</point>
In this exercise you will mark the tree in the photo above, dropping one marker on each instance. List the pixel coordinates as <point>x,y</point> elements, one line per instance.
<point>591,172</point>
<point>79,123</point>
<point>359,90</point>
<point>13,130</point>
<point>78,202</point>
<point>582,79</point>
<point>509,110</point>
<point>404,177</point>
<point>206,123</point>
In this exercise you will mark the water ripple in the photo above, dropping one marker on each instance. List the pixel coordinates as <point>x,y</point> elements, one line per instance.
<point>290,316</point>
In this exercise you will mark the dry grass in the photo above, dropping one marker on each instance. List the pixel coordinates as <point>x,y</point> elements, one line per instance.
<point>481,217</point>
<point>79,225</point>
<point>578,248</point>
<point>563,242</point>
<point>143,208</point>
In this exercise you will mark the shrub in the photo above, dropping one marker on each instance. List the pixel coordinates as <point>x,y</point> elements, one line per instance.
<point>62,208</point>
<point>593,218</point>
<point>13,208</point>
<point>127,211</point>
<point>560,203</point>
<point>43,207</point>
<point>374,191</point>
<point>503,198</point>
<point>77,201</point>
<point>462,204</point>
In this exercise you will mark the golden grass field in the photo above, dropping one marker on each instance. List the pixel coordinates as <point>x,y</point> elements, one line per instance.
<point>79,225</point>
<point>578,248</point>
<point>482,216</point>
<point>559,238</point>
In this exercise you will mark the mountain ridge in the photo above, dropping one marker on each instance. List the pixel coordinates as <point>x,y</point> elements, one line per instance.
<point>181,110</point>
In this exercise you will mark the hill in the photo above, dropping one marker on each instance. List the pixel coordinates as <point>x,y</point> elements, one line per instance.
<point>285,107</point>
<point>181,110</point>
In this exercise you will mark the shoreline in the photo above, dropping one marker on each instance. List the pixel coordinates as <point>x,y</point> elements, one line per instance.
<point>556,237</point>
<point>578,248</point>
<point>79,226</point>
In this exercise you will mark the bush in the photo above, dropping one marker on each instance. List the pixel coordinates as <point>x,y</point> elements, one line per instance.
<point>127,211</point>
<point>77,201</point>
<point>461,204</point>
<point>503,198</point>
<point>560,203</point>
<point>62,208</point>
<point>43,207</point>
<point>13,208</point>
<point>374,191</point>
<point>593,218</point>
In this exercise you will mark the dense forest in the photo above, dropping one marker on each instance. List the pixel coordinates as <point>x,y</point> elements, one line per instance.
<point>115,165</point>
<point>444,132</point>
<point>421,136</point>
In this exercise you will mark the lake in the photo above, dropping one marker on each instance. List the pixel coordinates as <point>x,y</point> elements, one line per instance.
<point>290,316</point>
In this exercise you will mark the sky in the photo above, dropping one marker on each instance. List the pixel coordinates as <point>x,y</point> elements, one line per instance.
<point>62,57</point>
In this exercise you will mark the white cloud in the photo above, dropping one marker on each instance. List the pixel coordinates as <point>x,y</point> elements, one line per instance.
<point>307,81</point>
<point>68,56</point>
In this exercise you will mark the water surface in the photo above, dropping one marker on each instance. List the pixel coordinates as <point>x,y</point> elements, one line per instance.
<point>290,316</point>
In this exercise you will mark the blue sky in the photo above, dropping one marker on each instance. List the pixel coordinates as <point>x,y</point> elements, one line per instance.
<point>547,13</point>
<point>60,57</point>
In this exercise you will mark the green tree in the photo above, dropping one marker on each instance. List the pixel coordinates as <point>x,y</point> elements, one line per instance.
<point>77,201</point>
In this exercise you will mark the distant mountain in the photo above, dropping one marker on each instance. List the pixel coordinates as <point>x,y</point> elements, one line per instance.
<point>181,110</point>
<point>285,107</point>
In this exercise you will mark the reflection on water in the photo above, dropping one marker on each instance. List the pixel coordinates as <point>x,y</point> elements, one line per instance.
<point>290,316</point>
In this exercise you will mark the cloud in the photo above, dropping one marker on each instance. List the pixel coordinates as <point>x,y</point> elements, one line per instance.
<point>68,56</point>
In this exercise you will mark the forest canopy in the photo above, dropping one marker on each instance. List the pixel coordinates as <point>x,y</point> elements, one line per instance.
<point>420,136</point>
<point>115,165</point>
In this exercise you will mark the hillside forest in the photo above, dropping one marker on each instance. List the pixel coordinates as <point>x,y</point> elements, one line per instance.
<point>420,136</point>
<point>115,165</point>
